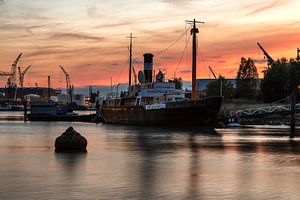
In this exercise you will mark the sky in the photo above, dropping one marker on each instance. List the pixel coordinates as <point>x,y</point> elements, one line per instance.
<point>90,38</point>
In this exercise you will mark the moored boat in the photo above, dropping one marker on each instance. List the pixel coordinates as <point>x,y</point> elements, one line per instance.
<point>199,112</point>
<point>161,102</point>
<point>48,111</point>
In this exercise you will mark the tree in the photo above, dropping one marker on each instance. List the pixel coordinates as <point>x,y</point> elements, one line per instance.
<point>293,75</point>
<point>213,88</point>
<point>282,78</point>
<point>247,79</point>
<point>275,83</point>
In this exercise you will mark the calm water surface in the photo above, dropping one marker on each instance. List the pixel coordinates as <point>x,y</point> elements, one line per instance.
<point>125,162</point>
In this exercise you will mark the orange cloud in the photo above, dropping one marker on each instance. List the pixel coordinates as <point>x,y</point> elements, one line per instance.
<point>89,39</point>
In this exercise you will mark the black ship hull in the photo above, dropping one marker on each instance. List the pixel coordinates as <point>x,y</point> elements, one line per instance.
<point>196,113</point>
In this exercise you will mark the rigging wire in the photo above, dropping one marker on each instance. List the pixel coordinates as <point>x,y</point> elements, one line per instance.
<point>162,51</point>
<point>116,81</point>
<point>172,44</point>
<point>204,63</point>
<point>188,52</point>
<point>186,44</point>
<point>201,59</point>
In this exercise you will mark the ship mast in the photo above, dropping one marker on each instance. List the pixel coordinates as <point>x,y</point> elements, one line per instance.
<point>194,32</point>
<point>130,61</point>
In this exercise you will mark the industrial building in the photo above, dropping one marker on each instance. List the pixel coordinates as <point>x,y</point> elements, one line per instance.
<point>201,84</point>
<point>18,93</point>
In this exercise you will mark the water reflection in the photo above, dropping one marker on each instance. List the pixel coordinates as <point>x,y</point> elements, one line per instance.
<point>194,169</point>
<point>260,140</point>
<point>148,166</point>
<point>151,144</point>
<point>126,162</point>
<point>71,163</point>
<point>154,143</point>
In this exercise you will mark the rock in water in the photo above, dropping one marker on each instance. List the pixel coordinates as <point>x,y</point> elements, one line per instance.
<point>70,141</point>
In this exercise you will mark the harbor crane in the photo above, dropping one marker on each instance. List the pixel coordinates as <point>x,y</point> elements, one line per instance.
<point>212,72</point>
<point>11,85</point>
<point>269,58</point>
<point>22,74</point>
<point>68,84</point>
<point>4,73</point>
<point>11,82</point>
<point>12,73</point>
<point>221,82</point>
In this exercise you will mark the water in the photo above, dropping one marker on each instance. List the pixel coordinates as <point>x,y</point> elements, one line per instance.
<point>125,162</point>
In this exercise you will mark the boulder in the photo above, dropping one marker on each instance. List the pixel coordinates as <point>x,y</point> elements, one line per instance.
<point>70,141</point>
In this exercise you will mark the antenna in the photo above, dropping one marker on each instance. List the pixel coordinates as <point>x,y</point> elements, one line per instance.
<point>193,21</point>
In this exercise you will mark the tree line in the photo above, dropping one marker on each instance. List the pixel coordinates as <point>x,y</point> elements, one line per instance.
<point>280,79</point>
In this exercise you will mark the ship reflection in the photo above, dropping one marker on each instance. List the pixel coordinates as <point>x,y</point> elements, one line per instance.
<point>148,166</point>
<point>155,144</point>
<point>266,140</point>
<point>194,170</point>
<point>196,147</point>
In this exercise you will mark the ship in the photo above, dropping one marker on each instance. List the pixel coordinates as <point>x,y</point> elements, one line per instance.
<point>155,101</point>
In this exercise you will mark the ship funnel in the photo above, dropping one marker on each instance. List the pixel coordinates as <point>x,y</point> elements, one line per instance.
<point>148,66</point>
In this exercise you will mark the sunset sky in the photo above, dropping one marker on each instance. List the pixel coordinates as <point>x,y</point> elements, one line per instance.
<point>89,39</point>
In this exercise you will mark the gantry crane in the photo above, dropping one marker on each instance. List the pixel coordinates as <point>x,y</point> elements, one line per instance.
<point>68,84</point>
<point>22,75</point>
<point>269,58</point>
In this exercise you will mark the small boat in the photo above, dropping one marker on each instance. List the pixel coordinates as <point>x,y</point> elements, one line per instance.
<point>233,125</point>
<point>5,107</point>
<point>49,111</point>
<point>11,107</point>
<point>233,122</point>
